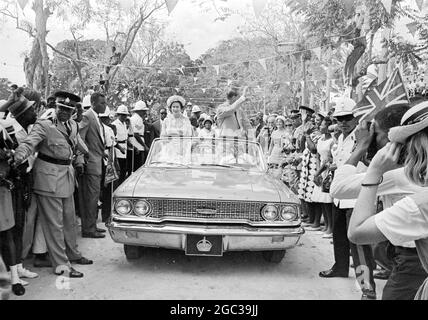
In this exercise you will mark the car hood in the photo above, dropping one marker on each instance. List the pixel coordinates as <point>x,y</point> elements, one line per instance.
<point>205,183</point>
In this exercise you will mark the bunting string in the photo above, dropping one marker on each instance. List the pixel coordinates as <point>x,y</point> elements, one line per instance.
<point>216,66</point>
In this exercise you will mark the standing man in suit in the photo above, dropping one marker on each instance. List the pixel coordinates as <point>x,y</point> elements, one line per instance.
<point>92,133</point>
<point>58,142</point>
<point>231,120</point>
<point>158,123</point>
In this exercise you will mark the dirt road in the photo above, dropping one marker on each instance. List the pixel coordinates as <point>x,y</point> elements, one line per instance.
<point>169,274</point>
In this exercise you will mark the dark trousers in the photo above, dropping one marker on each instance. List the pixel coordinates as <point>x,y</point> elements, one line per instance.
<point>105,197</point>
<point>89,194</point>
<point>406,277</point>
<point>362,256</point>
<point>123,171</point>
<point>138,161</point>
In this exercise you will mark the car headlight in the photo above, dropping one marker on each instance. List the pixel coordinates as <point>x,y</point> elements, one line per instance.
<point>270,212</point>
<point>142,208</point>
<point>123,207</point>
<point>289,213</point>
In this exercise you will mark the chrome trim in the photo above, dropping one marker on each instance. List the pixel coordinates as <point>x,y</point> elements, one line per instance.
<point>208,230</point>
<point>234,239</point>
<point>140,220</point>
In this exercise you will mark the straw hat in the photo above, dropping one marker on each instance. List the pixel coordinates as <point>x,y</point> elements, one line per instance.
<point>413,121</point>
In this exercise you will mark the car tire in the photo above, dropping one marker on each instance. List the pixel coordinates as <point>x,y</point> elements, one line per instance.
<point>274,256</point>
<point>132,252</point>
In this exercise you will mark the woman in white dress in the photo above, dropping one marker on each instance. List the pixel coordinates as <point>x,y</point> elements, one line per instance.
<point>278,137</point>
<point>207,131</point>
<point>324,146</point>
<point>276,157</point>
<point>176,125</point>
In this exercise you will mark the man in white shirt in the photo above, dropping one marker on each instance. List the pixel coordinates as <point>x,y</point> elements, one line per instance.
<point>122,132</point>
<point>407,273</point>
<point>138,127</point>
<point>362,256</point>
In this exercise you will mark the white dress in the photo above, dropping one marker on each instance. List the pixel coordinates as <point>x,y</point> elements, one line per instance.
<point>324,150</point>
<point>173,126</point>
<point>177,150</point>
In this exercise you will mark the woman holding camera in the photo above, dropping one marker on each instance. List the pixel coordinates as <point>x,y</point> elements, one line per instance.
<point>406,220</point>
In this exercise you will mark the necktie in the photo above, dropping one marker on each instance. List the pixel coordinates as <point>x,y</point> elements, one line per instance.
<point>67,126</point>
<point>237,121</point>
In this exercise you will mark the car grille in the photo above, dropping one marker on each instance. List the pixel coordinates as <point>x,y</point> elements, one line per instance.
<point>225,210</point>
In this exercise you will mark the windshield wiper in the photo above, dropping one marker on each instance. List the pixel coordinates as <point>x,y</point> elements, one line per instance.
<point>170,164</point>
<point>221,166</point>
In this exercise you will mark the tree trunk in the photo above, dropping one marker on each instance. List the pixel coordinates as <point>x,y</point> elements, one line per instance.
<point>305,85</point>
<point>31,63</point>
<point>42,15</point>
<point>383,68</point>
<point>328,86</point>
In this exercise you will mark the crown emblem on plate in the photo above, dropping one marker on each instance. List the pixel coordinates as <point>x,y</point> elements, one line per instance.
<point>67,100</point>
<point>204,245</point>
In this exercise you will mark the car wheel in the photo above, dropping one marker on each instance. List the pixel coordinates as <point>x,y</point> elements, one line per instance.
<point>274,256</point>
<point>132,252</point>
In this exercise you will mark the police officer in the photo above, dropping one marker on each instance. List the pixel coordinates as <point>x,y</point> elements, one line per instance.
<point>58,142</point>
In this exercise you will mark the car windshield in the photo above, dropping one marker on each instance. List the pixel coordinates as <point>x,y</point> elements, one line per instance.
<point>206,152</point>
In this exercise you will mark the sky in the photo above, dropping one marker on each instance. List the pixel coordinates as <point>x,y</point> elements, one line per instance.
<point>188,24</point>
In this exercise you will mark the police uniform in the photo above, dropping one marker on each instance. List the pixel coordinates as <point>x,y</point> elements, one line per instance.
<point>54,181</point>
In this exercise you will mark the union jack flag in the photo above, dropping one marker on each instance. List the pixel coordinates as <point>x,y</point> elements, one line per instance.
<point>390,92</point>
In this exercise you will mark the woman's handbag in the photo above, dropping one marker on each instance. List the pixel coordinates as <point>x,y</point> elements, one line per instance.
<point>326,183</point>
<point>112,173</point>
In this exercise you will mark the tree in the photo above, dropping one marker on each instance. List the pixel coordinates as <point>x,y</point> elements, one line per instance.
<point>36,64</point>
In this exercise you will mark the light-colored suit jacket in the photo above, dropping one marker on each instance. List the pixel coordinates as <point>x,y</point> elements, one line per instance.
<point>50,179</point>
<point>91,134</point>
<point>231,120</point>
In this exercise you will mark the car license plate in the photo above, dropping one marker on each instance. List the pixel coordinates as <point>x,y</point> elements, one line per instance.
<point>198,245</point>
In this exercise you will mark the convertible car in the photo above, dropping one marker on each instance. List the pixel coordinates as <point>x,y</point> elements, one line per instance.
<point>205,197</point>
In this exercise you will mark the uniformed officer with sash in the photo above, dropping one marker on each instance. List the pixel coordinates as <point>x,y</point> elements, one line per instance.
<point>58,143</point>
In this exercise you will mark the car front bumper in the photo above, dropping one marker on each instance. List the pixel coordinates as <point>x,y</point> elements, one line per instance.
<point>173,236</point>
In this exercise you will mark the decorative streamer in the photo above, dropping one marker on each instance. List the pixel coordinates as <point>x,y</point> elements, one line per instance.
<point>170,4</point>
<point>413,27</point>
<point>263,63</point>
<point>420,4</point>
<point>217,69</point>
<point>388,5</point>
<point>318,52</point>
<point>258,6</point>
<point>349,4</point>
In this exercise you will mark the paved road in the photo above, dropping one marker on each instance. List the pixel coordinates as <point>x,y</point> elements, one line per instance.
<point>169,274</point>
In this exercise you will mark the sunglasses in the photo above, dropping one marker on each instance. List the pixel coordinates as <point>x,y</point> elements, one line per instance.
<point>163,113</point>
<point>288,125</point>
<point>345,118</point>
